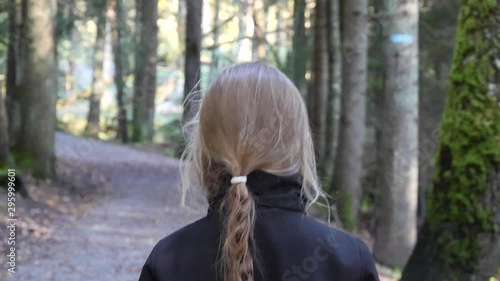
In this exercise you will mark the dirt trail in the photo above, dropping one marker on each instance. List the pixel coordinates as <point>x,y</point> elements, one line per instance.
<point>112,239</point>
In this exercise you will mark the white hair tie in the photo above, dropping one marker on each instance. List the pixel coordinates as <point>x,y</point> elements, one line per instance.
<point>235,180</point>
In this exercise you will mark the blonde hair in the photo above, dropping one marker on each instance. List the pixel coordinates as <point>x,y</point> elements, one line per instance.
<point>251,118</point>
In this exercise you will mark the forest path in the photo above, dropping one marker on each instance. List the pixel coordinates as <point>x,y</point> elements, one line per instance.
<point>112,239</point>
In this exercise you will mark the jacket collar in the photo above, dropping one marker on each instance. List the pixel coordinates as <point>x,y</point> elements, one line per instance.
<point>268,191</point>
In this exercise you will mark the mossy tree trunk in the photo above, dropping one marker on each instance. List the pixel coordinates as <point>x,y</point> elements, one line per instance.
<point>6,161</point>
<point>35,147</point>
<point>460,239</point>
<point>145,71</point>
<point>397,181</point>
<point>349,158</point>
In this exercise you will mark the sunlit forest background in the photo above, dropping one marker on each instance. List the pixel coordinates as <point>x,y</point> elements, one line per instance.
<point>403,99</point>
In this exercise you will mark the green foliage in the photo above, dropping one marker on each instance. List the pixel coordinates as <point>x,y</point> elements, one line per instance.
<point>367,204</point>
<point>171,130</point>
<point>469,149</point>
<point>4,41</point>
<point>23,160</point>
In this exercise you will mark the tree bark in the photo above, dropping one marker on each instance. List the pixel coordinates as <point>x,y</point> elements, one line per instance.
<point>98,84</point>
<point>461,231</point>
<point>23,41</point>
<point>349,159</point>
<point>334,89</point>
<point>299,49</point>
<point>6,161</point>
<point>38,100</point>
<point>192,62</point>
<point>396,229</point>
<point>145,72</point>
<point>375,87</point>
<point>18,43</point>
<point>319,80</point>
<point>4,137</point>
<point>116,21</point>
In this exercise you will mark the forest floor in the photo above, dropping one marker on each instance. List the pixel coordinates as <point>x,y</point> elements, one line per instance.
<point>111,204</point>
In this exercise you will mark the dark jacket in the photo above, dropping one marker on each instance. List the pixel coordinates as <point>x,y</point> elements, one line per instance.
<point>290,245</point>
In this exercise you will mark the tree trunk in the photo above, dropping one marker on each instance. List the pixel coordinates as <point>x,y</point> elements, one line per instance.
<point>279,31</point>
<point>192,96</point>
<point>259,19</point>
<point>18,44</point>
<point>319,79</point>
<point>4,137</point>
<point>23,41</point>
<point>396,229</point>
<point>216,32</point>
<point>334,88</point>
<point>299,54</point>
<point>6,161</point>
<point>38,101</point>
<point>11,70</point>
<point>117,23</point>
<point>181,26</point>
<point>145,72</point>
<point>192,62</point>
<point>461,231</point>
<point>349,158</point>
<point>69,78</point>
<point>98,84</point>
<point>246,31</point>
<point>375,88</point>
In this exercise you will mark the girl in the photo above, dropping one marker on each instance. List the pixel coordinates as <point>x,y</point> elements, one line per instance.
<point>252,153</point>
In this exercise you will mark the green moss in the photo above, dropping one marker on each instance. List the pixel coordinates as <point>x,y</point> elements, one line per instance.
<point>346,212</point>
<point>4,170</point>
<point>469,144</point>
<point>24,159</point>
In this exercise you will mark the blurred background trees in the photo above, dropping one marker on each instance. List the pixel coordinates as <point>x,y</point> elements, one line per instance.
<point>374,75</point>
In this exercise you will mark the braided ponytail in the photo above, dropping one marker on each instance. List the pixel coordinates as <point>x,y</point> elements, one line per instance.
<point>251,118</point>
<point>239,209</point>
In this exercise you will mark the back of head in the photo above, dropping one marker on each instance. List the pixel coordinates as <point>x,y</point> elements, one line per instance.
<point>251,118</point>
